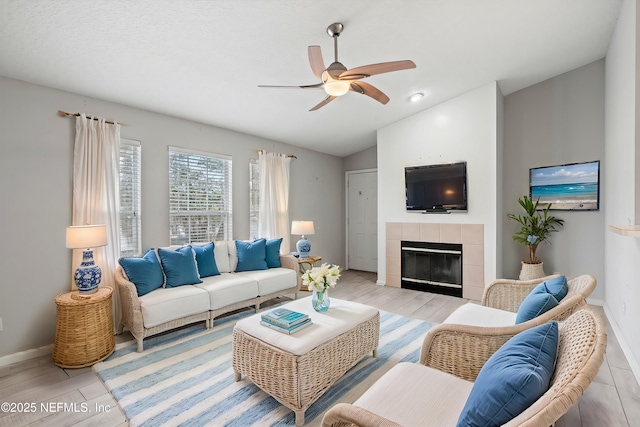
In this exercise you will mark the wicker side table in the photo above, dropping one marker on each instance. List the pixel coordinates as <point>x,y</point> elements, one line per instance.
<point>84,328</point>
<point>311,262</point>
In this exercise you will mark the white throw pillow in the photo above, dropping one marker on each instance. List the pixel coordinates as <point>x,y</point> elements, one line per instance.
<point>233,255</point>
<point>221,254</point>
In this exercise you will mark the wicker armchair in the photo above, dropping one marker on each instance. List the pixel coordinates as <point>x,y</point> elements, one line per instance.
<point>507,294</point>
<point>503,297</point>
<point>461,351</point>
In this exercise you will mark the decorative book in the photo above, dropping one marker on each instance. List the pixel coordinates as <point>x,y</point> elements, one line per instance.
<point>290,330</point>
<point>284,318</point>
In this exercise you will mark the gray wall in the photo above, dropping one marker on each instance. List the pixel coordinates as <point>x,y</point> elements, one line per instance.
<point>365,159</point>
<point>558,121</point>
<point>35,195</point>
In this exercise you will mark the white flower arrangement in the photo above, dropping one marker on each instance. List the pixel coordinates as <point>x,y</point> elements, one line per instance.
<point>321,278</point>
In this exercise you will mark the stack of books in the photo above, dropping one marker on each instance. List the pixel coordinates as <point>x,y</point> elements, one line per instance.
<point>285,320</point>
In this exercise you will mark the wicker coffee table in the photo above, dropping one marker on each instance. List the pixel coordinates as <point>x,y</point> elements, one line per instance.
<point>297,369</point>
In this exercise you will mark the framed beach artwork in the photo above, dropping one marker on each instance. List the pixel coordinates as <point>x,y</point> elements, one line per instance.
<point>572,187</point>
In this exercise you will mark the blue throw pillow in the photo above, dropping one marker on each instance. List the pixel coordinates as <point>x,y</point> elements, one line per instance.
<point>179,266</point>
<point>534,305</point>
<point>145,273</point>
<point>205,260</point>
<point>557,287</point>
<point>251,255</point>
<point>273,253</point>
<point>513,378</point>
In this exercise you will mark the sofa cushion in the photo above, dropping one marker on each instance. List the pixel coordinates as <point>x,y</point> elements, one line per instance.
<point>167,304</point>
<point>422,396</point>
<point>205,260</point>
<point>513,378</point>
<point>479,315</point>
<point>273,252</point>
<point>534,305</point>
<point>251,255</point>
<point>557,287</point>
<point>228,288</point>
<point>272,280</point>
<point>179,266</point>
<point>145,273</point>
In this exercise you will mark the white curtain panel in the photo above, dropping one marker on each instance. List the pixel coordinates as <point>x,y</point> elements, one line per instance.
<point>96,159</point>
<point>273,215</point>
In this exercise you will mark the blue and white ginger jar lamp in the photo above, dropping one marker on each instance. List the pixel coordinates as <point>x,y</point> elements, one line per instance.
<point>88,275</point>
<point>302,228</point>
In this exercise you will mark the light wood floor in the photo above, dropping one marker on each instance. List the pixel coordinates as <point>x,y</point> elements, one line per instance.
<point>613,399</point>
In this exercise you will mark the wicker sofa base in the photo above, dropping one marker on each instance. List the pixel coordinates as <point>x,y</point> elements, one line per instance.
<point>297,381</point>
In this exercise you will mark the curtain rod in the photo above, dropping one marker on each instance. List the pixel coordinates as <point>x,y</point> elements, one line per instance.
<point>292,156</point>
<point>65,114</point>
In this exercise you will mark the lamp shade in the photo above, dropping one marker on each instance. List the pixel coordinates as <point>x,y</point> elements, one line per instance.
<point>301,228</point>
<point>86,236</point>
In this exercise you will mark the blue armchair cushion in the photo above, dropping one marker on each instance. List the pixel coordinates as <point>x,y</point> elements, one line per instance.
<point>179,266</point>
<point>251,255</point>
<point>513,378</point>
<point>145,273</point>
<point>205,260</point>
<point>273,252</point>
<point>557,287</point>
<point>534,305</point>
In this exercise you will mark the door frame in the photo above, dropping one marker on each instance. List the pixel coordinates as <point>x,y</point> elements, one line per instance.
<point>347,175</point>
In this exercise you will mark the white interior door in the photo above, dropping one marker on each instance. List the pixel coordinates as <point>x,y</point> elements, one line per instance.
<point>362,220</point>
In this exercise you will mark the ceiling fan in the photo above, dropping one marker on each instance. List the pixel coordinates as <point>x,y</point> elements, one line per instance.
<point>337,80</point>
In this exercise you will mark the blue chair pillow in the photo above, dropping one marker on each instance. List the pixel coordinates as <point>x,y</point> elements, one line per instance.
<point>179,266</point>
<point>145,273</point>
<point>205,260</point>
<point>273,253</point>
<point>513,378</point>
<point>251,255</point>
<point>557,287</point>
<point>534,305</point>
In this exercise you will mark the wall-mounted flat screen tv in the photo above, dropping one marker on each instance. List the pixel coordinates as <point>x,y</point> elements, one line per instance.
<point>436,188</point>
<point>571,187</point>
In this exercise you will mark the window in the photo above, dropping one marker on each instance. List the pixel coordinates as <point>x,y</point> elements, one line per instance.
<point>200,204</point>
<point>130,223</point>
<point>254,197</point>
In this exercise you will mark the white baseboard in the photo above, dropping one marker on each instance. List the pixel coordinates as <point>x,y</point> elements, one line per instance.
<point>21,356</point>
<point>380,282</point>
<point>633,363</point>
<point>597,302</point>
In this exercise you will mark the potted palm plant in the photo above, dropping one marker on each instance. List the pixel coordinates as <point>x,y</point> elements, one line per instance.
<point>536,226</point>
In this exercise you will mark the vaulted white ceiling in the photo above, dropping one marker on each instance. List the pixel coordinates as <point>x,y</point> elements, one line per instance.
<point>203,60</point>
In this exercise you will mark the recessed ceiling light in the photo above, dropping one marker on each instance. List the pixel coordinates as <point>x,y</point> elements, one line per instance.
<point>416,97</point>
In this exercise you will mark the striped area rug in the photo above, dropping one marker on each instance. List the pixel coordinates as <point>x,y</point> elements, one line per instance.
<point>184,378</point>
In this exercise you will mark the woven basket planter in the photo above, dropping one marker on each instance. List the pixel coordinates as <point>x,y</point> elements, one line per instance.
<point>531,271</point>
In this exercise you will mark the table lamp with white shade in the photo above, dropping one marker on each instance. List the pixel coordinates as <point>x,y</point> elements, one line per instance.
<point>302,228</point>
<point>87,237</point>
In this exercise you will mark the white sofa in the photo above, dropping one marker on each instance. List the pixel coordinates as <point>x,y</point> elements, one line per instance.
<point>167,308</point>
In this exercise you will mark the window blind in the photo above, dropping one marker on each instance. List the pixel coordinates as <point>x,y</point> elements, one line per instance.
<point>200,202</point>
<point>130,198</point>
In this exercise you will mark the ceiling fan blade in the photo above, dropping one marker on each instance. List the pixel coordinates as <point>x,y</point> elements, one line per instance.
<point>315,59</point>
<point>369,90</point>
<point>313,86</point>
<point>324,102</point>
<point>372,69</point>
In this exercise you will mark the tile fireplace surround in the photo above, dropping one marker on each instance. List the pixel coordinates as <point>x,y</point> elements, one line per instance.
<point>471,236</point>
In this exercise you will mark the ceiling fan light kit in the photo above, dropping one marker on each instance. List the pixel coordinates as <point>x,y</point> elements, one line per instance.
<point>337,80</point>
<point>333,86</point>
